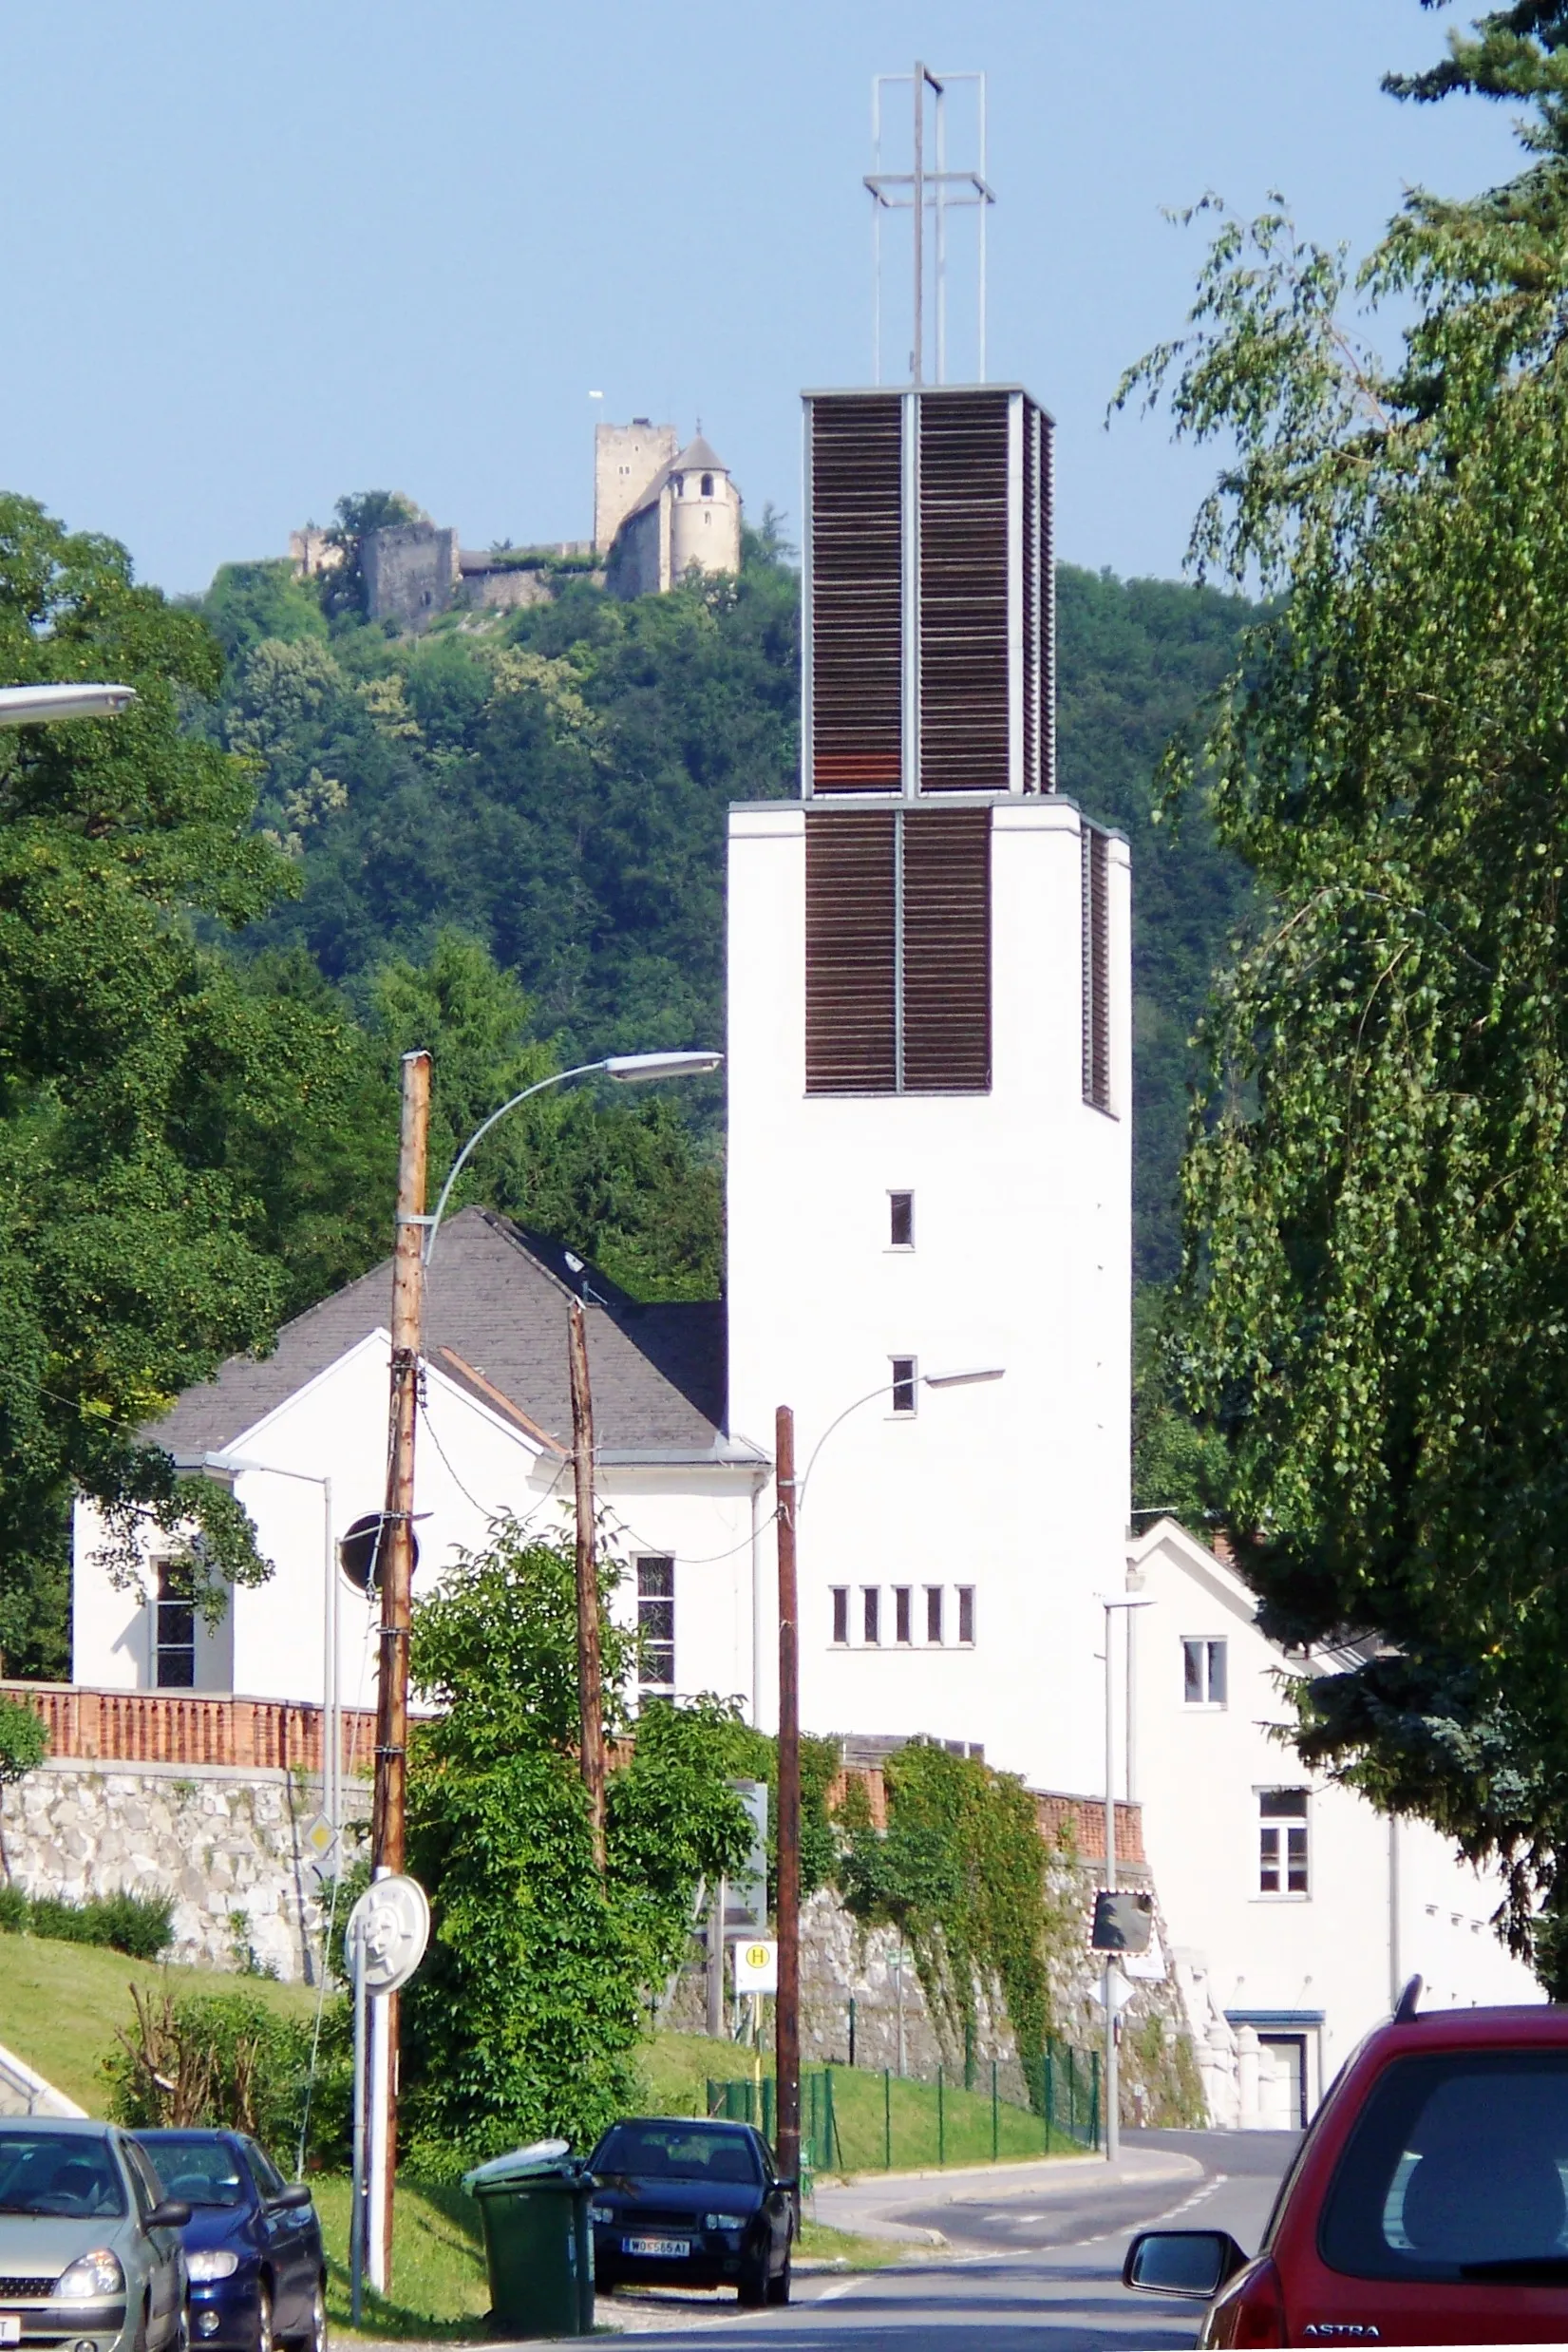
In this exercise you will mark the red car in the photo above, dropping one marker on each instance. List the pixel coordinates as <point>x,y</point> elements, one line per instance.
<point>1428,2203</point>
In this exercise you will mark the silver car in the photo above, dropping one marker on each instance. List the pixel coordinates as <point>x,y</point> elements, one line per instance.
<point>90,2253</point>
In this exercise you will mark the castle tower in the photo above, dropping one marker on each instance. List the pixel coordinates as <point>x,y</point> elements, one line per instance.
<point>930,1105</point>
<point>627,460</point>
<point>705,513</point>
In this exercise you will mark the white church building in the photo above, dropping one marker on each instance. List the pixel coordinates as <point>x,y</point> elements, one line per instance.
<point>929,1169</point>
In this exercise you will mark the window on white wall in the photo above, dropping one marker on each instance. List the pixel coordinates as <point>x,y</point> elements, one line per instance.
<point>656,1623</point>
<point>902,1628</point>
<point>934,1612</point>
<point>1282,1854</point>
<point>902,1384</point>
<point>870,1614</point>
<point>840,1613</point>
<point>174,1664</point>
<point>1203,1673</point>
<point>965,1613</point>
<point>900,1217</point>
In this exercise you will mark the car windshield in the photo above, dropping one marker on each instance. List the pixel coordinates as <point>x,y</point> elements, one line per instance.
<point>199,2170</point>
<point>675,2152</point>
<point>1456,2171</point>
<point>59,2172</point>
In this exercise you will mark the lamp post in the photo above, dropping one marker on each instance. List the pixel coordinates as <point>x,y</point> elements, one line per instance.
<point>416,1234</point>
<point>229,1466</point>
<point>1113,2120</point>
<point>786,2059</point>
<point>40,706</point>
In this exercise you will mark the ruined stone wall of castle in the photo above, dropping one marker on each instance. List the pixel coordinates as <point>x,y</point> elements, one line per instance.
<point>410,573</point>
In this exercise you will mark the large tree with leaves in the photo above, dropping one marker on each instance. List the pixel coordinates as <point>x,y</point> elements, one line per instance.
<point>1376,1192</point>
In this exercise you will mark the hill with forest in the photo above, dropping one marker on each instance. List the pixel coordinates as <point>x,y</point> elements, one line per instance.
<point>552,785</point>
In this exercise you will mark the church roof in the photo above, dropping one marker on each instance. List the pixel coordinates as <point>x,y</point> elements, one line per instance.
<point>496,1304</point>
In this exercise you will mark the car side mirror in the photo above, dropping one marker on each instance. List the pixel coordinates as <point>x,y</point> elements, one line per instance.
<point>289,2200</point>
<point>792,2184</point>
<point>172,2214</point>
<point>1191,2263</point>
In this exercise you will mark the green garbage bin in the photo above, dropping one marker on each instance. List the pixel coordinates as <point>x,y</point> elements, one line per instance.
<point>539,2246</point>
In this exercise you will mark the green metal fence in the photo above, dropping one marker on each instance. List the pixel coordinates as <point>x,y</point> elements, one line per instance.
<point>852,2119</point>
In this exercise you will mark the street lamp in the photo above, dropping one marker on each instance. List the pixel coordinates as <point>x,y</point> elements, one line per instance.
<point>626,1068</point>
<point>414,1248</point>
<point>37,705</point>
<point>1113,2087</point>
<point>787,2050</point>
<point>229,1466</point>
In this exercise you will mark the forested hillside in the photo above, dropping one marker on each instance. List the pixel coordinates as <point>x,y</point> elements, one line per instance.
<point>553,785</point>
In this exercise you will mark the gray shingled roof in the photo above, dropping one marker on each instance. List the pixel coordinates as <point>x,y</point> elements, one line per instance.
<point>697,457</point>
<point>496,1299</point>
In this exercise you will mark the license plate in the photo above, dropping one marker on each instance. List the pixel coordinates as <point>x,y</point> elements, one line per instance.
<point>10,2327</point>
<point>656,2246</point>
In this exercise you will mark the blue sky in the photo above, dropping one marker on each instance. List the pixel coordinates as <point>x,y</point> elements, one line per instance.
<point>258,255</point>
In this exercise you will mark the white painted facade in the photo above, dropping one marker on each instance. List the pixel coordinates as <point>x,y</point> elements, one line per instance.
<point>1280,1985</point>
<point>1017,1491</point>
<point>473,1464</point>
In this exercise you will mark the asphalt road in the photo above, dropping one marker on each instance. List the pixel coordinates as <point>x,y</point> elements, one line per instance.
<point>1036,2255</point>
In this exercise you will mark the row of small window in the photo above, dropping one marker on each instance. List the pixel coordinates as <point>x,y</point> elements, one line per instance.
<point>944,1621</point>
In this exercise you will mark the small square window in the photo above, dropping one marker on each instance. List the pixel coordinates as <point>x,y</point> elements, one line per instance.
<point>933,1613</point>
<point>965,1613</point>
<point>656,1623</point>
<point>902,1594</point>
<point>870,1614</point>
<point>1204,1674</point>
<point>902,1384</point>
<point>901,1207</point>
<point>840,1613</point>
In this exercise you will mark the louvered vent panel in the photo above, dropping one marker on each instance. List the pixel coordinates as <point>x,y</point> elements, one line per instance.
<point>857,598</point>
<point>1096,969</point>
<point>964,593</point>
<point>947,951</point>
<point>1045,699</point>
<point>1030,588</point>
<point>851,948</point>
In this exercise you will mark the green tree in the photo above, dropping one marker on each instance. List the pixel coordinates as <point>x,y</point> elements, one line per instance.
<point>1376,1282</point>
<point>525,2018</point>
<point>248,603</point>
<point>24,1744</point>
<point>355,517</point>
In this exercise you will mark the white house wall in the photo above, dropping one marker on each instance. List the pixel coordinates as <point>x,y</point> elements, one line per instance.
<point>1021,1259</point>
<point>1199,1770</point>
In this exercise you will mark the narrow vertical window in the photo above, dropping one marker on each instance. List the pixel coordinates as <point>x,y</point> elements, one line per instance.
<point>1204,1674</point>
<point>965,1613</point>
<point>1096,968</point>
<point>902,1595</point>
<point>840,1614</point>
<point>656,1625</point>
<point>175,1666</point>
<point>708,485</point>
<point>900,1219</point>
<point>903,1382</point>
<point>871,1617</point>
<point>1282,1857</point>
<point>933,1613</point>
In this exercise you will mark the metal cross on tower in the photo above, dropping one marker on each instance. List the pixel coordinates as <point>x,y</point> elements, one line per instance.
<point>937,188</point>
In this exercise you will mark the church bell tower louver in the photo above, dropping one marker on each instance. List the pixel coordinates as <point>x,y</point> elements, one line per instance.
<point>929,1068</point>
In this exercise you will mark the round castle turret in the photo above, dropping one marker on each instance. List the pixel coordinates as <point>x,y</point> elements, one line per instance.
<point>704,513</point>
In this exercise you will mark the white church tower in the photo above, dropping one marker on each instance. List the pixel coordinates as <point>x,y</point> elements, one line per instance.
<point>930,1106</point>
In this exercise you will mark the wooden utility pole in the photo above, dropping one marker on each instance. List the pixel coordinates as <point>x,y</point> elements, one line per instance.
<point>397,1571</point>
<point>787,2011</point>
<point>590,1688</point>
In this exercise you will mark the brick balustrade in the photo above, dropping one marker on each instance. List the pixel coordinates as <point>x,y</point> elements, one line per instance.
<point>1075,1821</point>
<point>182,1727</point>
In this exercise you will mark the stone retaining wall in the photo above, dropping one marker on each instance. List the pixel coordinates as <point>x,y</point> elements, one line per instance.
<point>225,1842</point>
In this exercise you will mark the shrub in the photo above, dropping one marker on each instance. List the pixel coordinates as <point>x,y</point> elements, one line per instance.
<point>228,2062</point>
<point>14,1908</point>
<point>142,1927</point>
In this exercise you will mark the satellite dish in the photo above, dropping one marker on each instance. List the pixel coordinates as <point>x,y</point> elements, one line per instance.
<point>388,1931</point>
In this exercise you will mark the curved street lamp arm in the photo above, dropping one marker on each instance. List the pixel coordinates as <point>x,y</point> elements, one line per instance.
<point>559,1078</point>
<point>870,1397</point>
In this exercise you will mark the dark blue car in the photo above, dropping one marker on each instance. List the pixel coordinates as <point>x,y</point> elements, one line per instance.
<point>252,2244</point>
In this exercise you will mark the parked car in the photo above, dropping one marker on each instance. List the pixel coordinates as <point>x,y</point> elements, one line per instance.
<point>1425,2205</point>
<point>693,2205</point>
<point>90,2251</point>
<point>252,2244</point>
